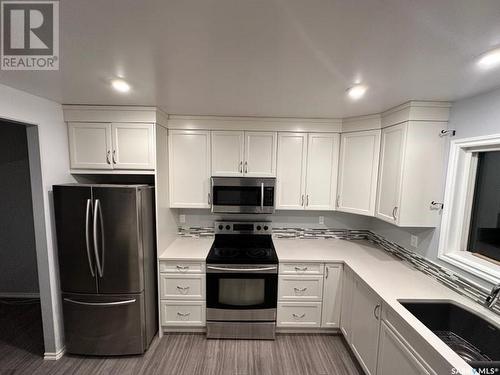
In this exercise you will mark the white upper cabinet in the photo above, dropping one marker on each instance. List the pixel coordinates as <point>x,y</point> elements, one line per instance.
<point>410,174</point>
<point>291,171</point>
<point>127,146</point>
<point>322,167</point>
<point>243,153</point>
<point>133,146</point>
<point>189,168</point>
<point>227,153</point>
<point>358,172</point>
<point>260,154</point>
<point>332,296</point>
<point>90,145</point>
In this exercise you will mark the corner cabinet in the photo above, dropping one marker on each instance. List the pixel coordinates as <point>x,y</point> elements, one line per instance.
<point>189,168</point>
<point>358,172</point>
<point>243,153</point>
<point>411,174</point>
<point>332,296</point>
<point>307,171</point>
<point>120,146</point>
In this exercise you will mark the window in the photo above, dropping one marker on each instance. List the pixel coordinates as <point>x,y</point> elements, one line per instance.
<point>470,229</point>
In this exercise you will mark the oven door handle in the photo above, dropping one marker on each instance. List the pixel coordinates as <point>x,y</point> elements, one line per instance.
<point>273,268</point>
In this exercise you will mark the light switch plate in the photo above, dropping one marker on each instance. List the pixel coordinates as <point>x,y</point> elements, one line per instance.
<point>322,220</point>
<point>182,219</point>
<point>414,241</point>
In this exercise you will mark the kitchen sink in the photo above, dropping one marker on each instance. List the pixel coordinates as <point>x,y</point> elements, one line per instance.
<point>472,337</point>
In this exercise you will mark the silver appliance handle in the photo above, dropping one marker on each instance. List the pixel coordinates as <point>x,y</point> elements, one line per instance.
<point>87,235</point>
<point>242,269</point>
<point>100,267</point>
<point>246,166</point>
<point>262,196</point>
<point>117,303</point>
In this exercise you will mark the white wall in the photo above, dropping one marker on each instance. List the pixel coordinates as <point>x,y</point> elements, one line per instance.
<point>47,115</point>
<point>471,117</point>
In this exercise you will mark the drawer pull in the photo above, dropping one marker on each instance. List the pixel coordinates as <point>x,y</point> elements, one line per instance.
<point>301,269</point>
<point>297,316</point>
<point>182,268</point>
<point>183,289</point>
<point>183,314</point>
<point>300,290</point>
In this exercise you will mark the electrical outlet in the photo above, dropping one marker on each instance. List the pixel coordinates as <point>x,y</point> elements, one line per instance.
<point>414,241</point>
<point>182,219</point>
<point>322,220</point>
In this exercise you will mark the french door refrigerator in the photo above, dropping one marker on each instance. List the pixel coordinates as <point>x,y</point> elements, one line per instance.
<point>106,246</point>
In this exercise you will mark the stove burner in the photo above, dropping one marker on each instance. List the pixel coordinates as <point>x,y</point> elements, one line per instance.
<point>257,253</point>
<point>226,252</point>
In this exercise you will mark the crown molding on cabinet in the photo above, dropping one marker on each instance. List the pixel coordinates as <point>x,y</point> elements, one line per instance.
<point>361,123</point>
<point>105,113</point>
<point>416,111</point>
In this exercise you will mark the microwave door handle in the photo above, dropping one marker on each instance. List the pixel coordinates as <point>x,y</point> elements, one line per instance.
<point>262,196</point>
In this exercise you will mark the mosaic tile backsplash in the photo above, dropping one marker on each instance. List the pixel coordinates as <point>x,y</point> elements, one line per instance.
<point>445,276</point>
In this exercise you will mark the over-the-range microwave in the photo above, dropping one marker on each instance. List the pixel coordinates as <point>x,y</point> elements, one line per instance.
<point>246,195</point>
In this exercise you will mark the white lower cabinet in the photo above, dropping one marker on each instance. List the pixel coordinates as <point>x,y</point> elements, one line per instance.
<point>332,287</point>
<point>395,356</point>
<point>303,288</point>
<point>183,313</point>
<point>299,314</point>
<point>346,305</point>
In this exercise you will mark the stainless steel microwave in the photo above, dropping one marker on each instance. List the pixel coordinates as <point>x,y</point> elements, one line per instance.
<point>247,195</point>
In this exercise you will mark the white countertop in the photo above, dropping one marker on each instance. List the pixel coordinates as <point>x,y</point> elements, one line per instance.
<point>389,277</point>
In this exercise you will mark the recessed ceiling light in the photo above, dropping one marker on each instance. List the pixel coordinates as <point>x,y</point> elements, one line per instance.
<point>357,91</point>
<point>489,59</point>
<point>120,85</point>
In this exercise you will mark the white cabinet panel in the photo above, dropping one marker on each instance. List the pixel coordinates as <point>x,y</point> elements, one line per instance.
<point>291,171</point>
<point>346,309</point>
<point>186,287</point>
<point>133,146</point>
<point>301,268</point>
<point>358,172</point>
<point>189,164</point>
<point>322,166</point>
<point>90,145</point>
<point>365,326</point>
<point>391,172</point>
<point>395,357</point>
<point>332,296</point>
<point>260,154</point>
<point>299,314</point>
<point>181,267</point>
<point>227,153</point>
<point>182,313</point>
<point>300,288</point>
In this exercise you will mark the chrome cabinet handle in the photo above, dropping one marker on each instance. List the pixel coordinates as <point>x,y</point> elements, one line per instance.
<point>302,200</point>
<point>117,303</point>
<point>183,314</point>
<point>87,236</point>
<point>377,307</point>
<point>297,316</point>
<point>182,268</point>
<point>182,289</point>
<point>209,199</point>
<point>241,166</point>
<point>100,267</point>
<point>307,200</point>
<point>302,269</point>
<point>299,290</point>
<point>394,212</point>
<point>338,200</point>
<point>326,277</point>
<point>107,157</point>
<point>114,156</point>
<point>246,167</point>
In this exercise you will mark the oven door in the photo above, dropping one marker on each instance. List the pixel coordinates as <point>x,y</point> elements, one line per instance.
<point>243,195</point>
<point>242,292</point>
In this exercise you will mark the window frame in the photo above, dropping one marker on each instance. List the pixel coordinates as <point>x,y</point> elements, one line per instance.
<point>457,211</point>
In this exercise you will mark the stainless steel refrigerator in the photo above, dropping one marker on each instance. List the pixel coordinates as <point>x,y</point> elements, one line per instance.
<point>106,246</point>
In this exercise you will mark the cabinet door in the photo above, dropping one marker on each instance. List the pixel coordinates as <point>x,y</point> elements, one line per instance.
<point>189,164</point>
<point>365,326</point>
<point>291,171</point>
<point>345,314</point>
<point>395,357</point>
<point>260,154</point>
<point>133,146</point>
<point>227,153</point>
<point>391,172</point>
<point>332,287</point>
<point>90,145</point>
<point>358,172</point>
<point>322,166</point>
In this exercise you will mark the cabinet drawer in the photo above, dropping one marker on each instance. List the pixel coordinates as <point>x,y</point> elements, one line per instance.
<point>299,314</point>
<point>182,267</point>
<point>180,313</point>
<point>297,288</point>
<point>302,268</point>
<point>187,287</point>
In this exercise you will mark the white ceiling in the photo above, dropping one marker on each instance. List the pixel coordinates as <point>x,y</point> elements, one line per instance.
<point>269,57</point>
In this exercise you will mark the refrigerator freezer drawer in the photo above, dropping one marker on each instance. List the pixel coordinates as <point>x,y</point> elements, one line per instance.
<point>105,324</point>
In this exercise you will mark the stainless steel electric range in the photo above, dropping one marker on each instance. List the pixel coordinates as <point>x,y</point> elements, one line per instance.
<point>242,282</point>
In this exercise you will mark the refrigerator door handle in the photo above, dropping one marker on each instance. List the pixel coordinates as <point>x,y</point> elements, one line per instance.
<point>87,235</point>
<point>97,209</point>
<point>116,303</point>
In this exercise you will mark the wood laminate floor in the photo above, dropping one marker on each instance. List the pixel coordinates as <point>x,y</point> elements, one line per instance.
<point>21,352</point>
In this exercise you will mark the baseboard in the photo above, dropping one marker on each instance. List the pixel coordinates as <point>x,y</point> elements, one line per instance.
<point>19,295</point>
<point>51,356</point>
<point>331,331</point>
<point>167,329</point>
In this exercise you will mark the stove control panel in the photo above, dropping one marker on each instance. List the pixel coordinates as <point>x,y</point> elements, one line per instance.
<point>243,227</point>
